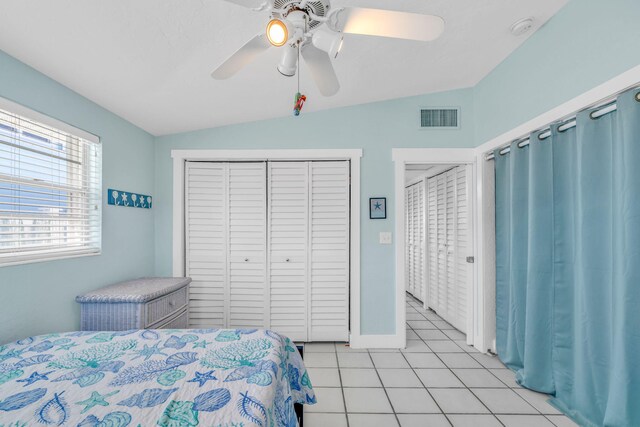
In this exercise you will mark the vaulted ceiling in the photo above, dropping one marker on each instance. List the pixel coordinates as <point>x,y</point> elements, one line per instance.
<point>149,61</point>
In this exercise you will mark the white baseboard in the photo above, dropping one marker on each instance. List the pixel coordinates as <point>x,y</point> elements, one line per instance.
<point>377,341</point>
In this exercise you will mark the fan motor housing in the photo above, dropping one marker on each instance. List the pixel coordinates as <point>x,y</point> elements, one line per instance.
<point>318,7</point>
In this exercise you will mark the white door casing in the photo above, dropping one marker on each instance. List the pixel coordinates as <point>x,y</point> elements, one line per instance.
<point>432,156</point>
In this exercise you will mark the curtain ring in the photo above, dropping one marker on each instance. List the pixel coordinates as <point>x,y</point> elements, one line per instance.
<point>638,96</point>
<point>564,126</point>
<point>602,110</point>
<point>544,134</point>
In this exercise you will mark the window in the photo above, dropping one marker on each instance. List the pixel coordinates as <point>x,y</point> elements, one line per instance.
<point>50,188</point>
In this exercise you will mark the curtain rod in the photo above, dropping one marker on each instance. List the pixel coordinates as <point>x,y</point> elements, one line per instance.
<point>604,106</point>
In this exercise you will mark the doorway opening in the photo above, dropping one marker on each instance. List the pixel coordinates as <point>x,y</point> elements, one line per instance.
<point>438,252</point>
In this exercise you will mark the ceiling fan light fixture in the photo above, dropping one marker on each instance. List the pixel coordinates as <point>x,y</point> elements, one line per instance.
<point>277,32</point>
<point>328,41</point>
<point>289,61</point>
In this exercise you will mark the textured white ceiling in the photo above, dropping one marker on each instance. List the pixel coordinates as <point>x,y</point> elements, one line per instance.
<point>149,61</point>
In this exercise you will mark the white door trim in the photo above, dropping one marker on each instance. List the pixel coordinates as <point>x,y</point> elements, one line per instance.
<point>401,157</point>
<point>354,155</point>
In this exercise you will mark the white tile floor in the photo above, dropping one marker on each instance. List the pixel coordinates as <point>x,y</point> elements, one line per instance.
<point>436,381</point>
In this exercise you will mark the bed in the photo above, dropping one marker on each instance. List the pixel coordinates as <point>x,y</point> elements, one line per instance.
<point>171,378</point>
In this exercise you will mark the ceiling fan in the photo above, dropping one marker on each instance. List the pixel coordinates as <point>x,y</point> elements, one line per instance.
<point>313,29</point>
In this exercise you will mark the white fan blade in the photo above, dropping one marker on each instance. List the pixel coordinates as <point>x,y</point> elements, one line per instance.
<point>387,23</point>
<point>321,69</point>
<point>243,56</point>
<point>251,4</point>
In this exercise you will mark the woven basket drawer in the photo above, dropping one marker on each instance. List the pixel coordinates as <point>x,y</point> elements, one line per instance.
<point>162,307</point>
<point>179,322</point>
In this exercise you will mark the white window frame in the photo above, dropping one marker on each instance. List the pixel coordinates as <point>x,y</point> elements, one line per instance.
<point>33,257</point>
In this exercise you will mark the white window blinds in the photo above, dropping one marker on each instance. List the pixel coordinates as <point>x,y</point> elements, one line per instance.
<point>50,188</point>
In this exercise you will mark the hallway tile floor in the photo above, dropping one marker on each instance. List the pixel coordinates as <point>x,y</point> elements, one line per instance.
<point>437,381</point>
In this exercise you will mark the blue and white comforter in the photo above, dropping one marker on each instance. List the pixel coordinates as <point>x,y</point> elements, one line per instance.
<point>170,378</point>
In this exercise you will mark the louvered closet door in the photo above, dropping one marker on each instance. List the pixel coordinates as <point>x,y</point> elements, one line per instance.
<point>288,246</point>
<point>419,241</point>
<point>247,240</point>
<point>443,293</point>
<point>450,244</point>
<point>407,244</point>
<point>449,232</point>
<point>463,248</point>
<point>432,242</point>
<point>206,248</point>
<point>329,257</point>
<point>415,241</point>
<point>410,249</point>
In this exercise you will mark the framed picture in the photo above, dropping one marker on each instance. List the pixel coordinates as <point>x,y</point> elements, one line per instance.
<point>378,208</point>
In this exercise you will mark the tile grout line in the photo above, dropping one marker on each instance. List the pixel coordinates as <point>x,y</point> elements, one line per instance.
<point>423,316</point>
<point>425,387</point>
<point>453,373</point>
<point>538,413</point>
<point>344,400</point>
<point>384,388</point>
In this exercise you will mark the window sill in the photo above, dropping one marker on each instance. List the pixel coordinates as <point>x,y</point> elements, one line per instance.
<point>50,257</point>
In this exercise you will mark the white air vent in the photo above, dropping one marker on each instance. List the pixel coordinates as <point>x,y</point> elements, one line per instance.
<point>439,118</point>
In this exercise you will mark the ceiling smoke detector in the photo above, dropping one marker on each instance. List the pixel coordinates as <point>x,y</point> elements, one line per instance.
<point>522,26</point>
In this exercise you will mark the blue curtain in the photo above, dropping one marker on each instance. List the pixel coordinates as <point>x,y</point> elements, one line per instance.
<point>568,265</point>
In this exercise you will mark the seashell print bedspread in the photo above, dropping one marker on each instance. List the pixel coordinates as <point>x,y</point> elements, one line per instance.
<point>168,378</point>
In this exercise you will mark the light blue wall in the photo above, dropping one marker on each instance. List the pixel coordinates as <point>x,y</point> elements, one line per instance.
<point>376,128</point>
<point>39,298</point>
<point>585,44</point>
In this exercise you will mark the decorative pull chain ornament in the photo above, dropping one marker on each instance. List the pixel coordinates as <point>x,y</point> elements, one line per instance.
<point>299,103</point>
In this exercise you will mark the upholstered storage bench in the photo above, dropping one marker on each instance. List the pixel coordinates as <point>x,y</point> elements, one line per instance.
<point>147,303</point>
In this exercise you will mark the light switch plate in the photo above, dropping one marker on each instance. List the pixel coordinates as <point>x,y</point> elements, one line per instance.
<point>385,238</point>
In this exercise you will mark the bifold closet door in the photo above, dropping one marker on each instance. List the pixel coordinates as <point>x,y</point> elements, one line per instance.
<point>464,270</point>
<point>267,245</point>
<point>247,245</point>
<point>206,243</point>
<point>288,248</point>
<point>415,239</point>
<point>449,244</point>
<point>433,273</point>
<point>410,280</point>
<point>419,240</point>
<point>329,256</point>
<point>407,236</point>
<point>225,244</point>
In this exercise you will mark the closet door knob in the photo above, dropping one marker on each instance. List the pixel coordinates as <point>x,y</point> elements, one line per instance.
<point>246,259</point>
<point>287,260</point>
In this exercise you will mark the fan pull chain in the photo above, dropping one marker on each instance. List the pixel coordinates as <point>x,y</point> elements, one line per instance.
<point>298,65</point>
<point>300,98</point>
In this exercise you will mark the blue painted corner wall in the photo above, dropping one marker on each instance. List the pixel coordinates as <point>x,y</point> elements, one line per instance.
<point>585,44</point>
<point>39,298</point>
